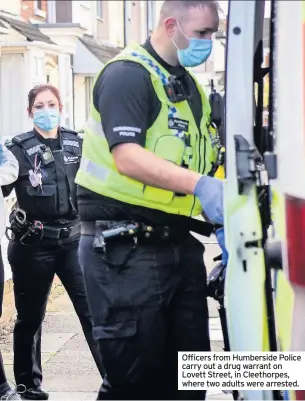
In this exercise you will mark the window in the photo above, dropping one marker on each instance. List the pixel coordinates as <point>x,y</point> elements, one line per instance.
<point>99,9</point>
<point>86,20</point>
<point>38,4</point>
<point>38,9</point>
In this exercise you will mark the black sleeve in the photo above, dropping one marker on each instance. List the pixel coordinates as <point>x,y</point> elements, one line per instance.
<point>7,189</point>
<point>122,95</point>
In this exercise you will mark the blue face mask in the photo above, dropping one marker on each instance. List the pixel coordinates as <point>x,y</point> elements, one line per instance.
<point>197,52</point>
<point>46,119</point>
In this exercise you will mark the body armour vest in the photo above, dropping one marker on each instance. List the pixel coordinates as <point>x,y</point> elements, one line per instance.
<point>55,198</point>
<point>174,136</point>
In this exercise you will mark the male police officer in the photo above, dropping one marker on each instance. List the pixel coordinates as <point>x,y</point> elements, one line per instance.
<point>146,155</point>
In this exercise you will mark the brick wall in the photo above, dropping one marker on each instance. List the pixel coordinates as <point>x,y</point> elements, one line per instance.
<point>27,10</point>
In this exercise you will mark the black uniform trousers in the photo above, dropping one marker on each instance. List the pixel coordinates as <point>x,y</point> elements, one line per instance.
<point>33,271</point>
<point>144,312</point>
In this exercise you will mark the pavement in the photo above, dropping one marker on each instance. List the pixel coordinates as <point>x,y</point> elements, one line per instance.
<point>68,368</point>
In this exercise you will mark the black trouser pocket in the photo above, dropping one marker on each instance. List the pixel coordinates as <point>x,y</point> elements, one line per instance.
<point>118,343</point>
<point>128,322</point>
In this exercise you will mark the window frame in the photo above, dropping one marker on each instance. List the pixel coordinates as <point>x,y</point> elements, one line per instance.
<point>38,10</point>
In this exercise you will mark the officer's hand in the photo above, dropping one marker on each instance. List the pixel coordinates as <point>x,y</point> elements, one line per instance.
<point>220,235</point>
<point>209,191</point>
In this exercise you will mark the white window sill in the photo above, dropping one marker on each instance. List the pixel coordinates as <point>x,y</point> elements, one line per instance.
<point>40,13</point>
<point>36,21</point>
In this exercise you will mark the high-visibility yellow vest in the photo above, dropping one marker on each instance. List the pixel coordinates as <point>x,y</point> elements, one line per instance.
<point>220,173</point>
<point>197,151</point>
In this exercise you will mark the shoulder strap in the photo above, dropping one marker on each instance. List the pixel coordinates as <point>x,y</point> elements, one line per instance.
<point>136,53</point>
<point>28,142</point>
<point>71,138</point>
<point>19,139</point>
<point>69,131</point>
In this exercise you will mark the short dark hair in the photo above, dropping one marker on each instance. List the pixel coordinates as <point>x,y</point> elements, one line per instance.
<point>170,7</point>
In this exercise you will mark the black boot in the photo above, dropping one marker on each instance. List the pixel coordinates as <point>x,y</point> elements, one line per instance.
<point>36,393</point>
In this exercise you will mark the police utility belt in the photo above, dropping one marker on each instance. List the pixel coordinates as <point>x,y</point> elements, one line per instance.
<point>109,232</point>
<point>32,232</point>
<point>61,233</point>
<point>120,231</point>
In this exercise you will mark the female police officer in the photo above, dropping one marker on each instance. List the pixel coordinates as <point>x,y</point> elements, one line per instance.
<point>49,158</point>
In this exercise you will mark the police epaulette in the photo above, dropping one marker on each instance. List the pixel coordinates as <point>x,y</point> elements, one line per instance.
<point>69,131</point>
<point>18,139</point>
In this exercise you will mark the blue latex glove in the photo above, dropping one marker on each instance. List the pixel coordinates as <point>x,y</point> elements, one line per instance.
<point>220,235</point>
<point>209,191</point>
